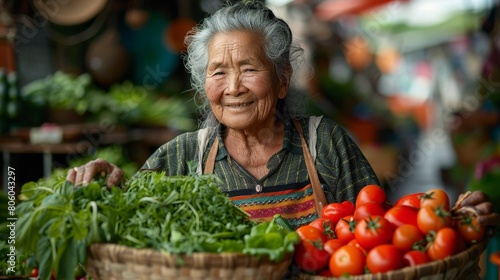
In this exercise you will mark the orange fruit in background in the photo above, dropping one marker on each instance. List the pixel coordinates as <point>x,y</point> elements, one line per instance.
<point>357,52</point>
<point>387,60</point>
<point>176,32</point>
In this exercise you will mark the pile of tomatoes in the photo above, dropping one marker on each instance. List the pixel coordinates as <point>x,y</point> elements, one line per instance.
<point>372,235</point>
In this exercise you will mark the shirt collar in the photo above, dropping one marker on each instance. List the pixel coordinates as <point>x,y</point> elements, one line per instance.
<point>291,143</point>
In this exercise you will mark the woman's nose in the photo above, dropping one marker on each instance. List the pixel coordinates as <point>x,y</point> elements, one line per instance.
<point>234,84</point>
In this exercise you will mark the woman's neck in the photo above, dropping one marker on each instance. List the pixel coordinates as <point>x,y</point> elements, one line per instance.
<point>269,134</point>
<point>253,149</point>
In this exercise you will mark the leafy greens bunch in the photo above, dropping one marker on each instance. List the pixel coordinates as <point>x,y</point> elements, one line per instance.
<point>176,214</point>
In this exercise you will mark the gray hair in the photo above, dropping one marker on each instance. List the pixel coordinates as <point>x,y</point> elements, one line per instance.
<point>251,16</point>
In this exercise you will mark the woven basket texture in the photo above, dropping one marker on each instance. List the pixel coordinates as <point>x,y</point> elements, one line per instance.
<point>117,262</point>
<point>464,265</point>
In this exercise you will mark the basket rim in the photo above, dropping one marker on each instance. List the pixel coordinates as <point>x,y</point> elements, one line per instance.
<point>125,254</point>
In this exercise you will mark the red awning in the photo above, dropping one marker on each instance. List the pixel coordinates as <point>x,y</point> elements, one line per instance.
<point>332,9</point>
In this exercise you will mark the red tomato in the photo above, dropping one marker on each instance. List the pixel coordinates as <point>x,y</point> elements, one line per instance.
<point>355,243</point>
<point>309,254</point>
<point>402,215</point>
<point>371,194</point>
<point>334,212</point>
<point>470,229</point>
<point>325,226</point>
<point>333,244</point>
<point>347,260</point>
<point>34,272</point>
<point>368,209</point>
<point>443,244</point>
<point>311,236</point>
<point>415,257</point>
<point>373,231</point>
<point>405,236</point>
<point>383,258</point>
<point>412,199</point>
<point>435,197</point>
<point>344,230</point>
<point>433,219</point>
<point>349,206</point>
<point>310,259</point>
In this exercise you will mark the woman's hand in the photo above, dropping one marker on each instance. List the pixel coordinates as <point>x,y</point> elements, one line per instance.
<point>82,175</point>
<point>484,208</point>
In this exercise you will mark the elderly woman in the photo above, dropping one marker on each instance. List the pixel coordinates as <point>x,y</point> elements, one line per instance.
<point>269,157</point>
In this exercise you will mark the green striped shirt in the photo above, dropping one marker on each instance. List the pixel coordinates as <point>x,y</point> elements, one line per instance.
<point>342,168</point>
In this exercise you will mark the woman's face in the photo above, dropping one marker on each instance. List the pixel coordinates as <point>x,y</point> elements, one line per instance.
<point>241,83</point>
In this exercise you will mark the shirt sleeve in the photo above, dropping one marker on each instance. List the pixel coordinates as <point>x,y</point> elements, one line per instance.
<point>175,157</point>
<point>341,164</point>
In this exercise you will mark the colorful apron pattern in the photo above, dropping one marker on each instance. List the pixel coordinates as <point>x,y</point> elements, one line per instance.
<point>293,202</point>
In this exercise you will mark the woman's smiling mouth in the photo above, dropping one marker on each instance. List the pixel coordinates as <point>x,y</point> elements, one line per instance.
<point>239,105</point>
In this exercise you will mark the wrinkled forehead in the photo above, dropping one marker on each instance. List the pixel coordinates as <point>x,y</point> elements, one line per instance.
<point>237,44</point>
<point>237,36</point>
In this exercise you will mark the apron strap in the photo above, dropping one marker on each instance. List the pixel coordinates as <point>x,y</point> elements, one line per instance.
<point>319,195</point>
<point>203,137</point>
<point>209,166</point>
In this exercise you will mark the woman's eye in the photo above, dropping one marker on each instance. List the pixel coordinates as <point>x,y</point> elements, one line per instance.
<point>218,73</point>
<point>249,70</point>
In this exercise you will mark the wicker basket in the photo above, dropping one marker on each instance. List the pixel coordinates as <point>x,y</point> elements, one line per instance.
<point>117,262</point>
<point>464,265</point>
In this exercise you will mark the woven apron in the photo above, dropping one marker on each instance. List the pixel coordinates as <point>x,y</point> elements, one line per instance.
<point>298,203</point>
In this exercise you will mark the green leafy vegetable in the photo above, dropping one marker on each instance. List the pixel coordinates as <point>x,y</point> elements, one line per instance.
<point>179,214</point>
<point>176,214</point>
<point>125,102</point>
<point>274,239</point>
<point>10,266</point>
